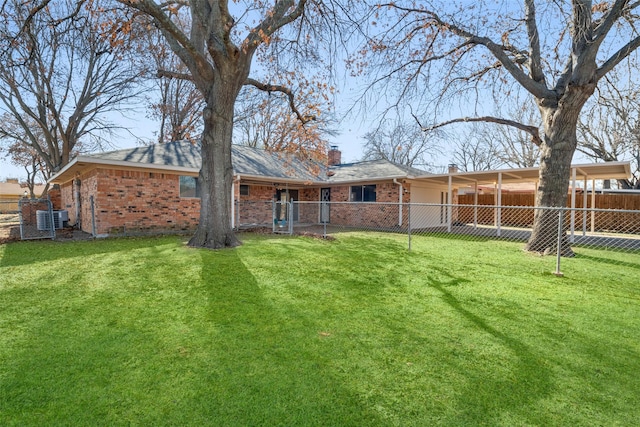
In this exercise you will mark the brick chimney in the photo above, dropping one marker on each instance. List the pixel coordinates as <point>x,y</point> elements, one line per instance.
<point>335,156</point>
<point>453,168</point>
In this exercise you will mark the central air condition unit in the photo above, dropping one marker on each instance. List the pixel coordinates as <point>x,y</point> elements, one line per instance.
<point>60,219</point>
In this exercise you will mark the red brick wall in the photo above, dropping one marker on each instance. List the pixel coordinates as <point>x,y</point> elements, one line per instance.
<point>256,208</point>
<point>309,213</point>
<point>88,186</point>
<point>340,194</point>
<point>55,197</point>
<point>378,214</point>
<point>66,200</point>
<point>135,201</point>
<point>129,202</point>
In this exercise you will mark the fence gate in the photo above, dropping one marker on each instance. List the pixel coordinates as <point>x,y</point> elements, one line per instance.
<point>283,217</point>
<point>37,219</point>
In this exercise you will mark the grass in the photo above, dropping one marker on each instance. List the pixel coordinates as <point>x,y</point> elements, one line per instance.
<point>298,331</point>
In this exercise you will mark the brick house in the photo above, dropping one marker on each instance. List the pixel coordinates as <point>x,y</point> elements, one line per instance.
<point>156,188</point>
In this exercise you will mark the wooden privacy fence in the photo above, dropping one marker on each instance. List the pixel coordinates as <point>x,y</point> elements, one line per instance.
<point>596,221</point>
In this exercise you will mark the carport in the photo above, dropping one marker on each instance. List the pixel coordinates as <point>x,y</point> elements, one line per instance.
<point>450,181</point>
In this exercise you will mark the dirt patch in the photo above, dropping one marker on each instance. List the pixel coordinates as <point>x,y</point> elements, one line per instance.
<point>9,232</point>
<point>268,230</point>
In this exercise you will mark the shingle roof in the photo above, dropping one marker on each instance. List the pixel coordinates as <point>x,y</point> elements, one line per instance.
<point>245,160</point>
<point>373,169</point>
<point>257,162</point>
<point>181,154</point>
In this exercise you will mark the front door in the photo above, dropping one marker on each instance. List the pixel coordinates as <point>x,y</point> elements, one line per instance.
<point>325,198</point>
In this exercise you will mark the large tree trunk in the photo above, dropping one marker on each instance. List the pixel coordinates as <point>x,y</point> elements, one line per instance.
<point>556,152</point>
<point>555,171</point>
<point>214,229</point>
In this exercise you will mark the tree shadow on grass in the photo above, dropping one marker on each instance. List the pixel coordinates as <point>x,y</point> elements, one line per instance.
<point>609,261</point>
<point>267,366</point>
<point>207,350</point>
<point>487,397</point>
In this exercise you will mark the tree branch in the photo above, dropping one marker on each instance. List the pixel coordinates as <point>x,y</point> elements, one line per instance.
<point>531,130</point>
<point>276,20</point>
<point>535,65</point>
<point>190,51</point>
<point>285,90</point>
<point>537,89</point>
<point>617,57</point>
<point>173,75</point>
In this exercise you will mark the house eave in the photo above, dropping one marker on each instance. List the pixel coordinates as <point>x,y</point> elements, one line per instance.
<point>607,170</point>
<point>85,162</point>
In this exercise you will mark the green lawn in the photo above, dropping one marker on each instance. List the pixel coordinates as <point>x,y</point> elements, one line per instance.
<point>300,331</point>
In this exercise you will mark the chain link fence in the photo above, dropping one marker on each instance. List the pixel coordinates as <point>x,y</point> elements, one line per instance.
<point>38,220</point>
<point>558,231</point>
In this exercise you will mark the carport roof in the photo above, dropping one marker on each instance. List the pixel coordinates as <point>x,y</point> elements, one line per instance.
<point>608,170</point>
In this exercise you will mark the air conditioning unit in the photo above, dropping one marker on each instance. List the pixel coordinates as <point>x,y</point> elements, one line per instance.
<point>60,219</point>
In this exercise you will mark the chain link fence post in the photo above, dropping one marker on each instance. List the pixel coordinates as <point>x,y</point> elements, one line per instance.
<point>409,225</point>
<point>273,216</point>
<point>559,246</point>
<point>290,216</point>
<point>51,219</point>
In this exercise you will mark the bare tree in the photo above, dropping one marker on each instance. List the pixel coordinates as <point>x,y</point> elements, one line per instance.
<point>399,142</point>
<point>516,148</point>
<point>60,74</point>
<point>476,150</point>
<point>219,51</point>
<point>490,146</point>
<point>554,51</point>
<point>24,155</point>
<point>266,121</point>
<point>177,104</point>
<point>609,130</point>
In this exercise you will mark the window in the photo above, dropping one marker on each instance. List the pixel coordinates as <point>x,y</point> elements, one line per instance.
<point>189,186</point>
<point>244,190</point>
<point>363,193</point>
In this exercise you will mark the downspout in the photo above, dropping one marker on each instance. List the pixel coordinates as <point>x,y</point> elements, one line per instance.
<point>400,191</point>
<point>233,200</point>
<point>76,187</point>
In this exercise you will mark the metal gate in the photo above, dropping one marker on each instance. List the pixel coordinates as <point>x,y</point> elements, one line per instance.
<point>37,219</point>
<point>283,217</point>
<point>325,207</point>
